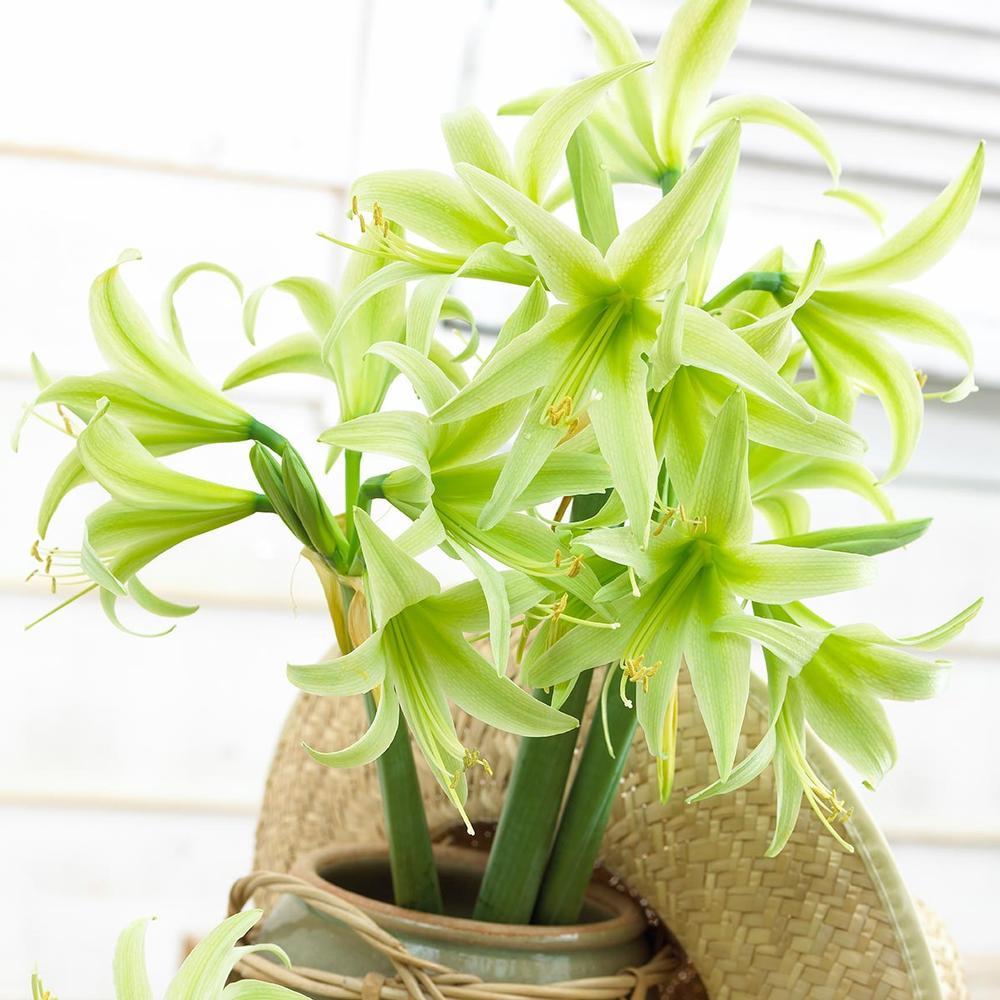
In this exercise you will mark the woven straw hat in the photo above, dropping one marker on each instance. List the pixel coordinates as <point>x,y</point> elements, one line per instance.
<point>813,923</point>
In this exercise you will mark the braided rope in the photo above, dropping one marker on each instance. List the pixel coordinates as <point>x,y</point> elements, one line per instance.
<point>419,979</point>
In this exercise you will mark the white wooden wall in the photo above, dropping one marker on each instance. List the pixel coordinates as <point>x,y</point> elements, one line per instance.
<point>132,769</point>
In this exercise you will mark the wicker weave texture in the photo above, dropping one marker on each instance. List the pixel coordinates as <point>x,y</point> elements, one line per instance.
<point>813,923</point>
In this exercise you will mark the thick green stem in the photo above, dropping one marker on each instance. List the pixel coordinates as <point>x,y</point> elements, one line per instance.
<point>586,815</point>
<point>751,281</point>
<point>267,435</point>
<point>352,486</point>
<point>528,819</point>
<point>415,883</point>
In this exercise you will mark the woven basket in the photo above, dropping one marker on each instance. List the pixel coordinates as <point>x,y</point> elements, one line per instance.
<point>813,923</point>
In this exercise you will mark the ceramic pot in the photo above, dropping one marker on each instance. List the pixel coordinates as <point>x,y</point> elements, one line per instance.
<point>612,934</point>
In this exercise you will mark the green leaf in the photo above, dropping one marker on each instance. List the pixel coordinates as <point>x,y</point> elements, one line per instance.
<point>394,580</point>
<point>922,242</point>
<point>780,573</point>
<point>373,742</point>
<point>131,980</point>
<point>356,672</point>
<point>171,321</point>
<point>592,189</point>
<point>866,540</point>
<point>650,255</point>
<point>433,205</point>
<point>721,491</point>
<point>572,267</point>
<point>539,149</point>
<point>719,664</point>
<point>691,54</point>
<point>792,644</point>
<point>621,420</point>
<point>472,139</point>
<point>759,109</point>
<point>298,354</point>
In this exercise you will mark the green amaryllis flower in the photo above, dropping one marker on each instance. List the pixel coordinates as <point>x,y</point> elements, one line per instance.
<point>418,659</point>
<point>834,679</point>
<point>853,312</point>
<point>153,508</point>
<point>694,569</point>
<point>205,972</point>
<point>587,355</point>
<point>155,389</point>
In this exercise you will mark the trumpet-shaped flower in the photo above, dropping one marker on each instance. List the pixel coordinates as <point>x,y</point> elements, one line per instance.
<point>697,565</point>
<point>834,679</point>
<point>155,389</point>
<point>418,660</point>
<point>152,509</point>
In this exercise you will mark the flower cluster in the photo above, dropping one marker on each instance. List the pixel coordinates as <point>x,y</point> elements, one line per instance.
<point>617,388</point>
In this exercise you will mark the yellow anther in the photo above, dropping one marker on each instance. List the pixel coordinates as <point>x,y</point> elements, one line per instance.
<point>557,560</point>
<point>635,670</point>
<point>472,758</point>
<point>35,554</point>
<point>575,566</point>
<point>558,412</point>
<point>572,429</point>
<point>921,378</point>
<point>556,610</point>
<point>354,205</point>
<point>377,213</point>
<point>385,228</point>
<point>361,222</point>
<point>679,515</point>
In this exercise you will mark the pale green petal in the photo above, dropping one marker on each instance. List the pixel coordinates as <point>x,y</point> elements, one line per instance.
<point>497,604</point>
<point>398,434</point>
<point>356,672</point>
<point>464,606</point>
<point>849,720</point>
<point>109,605</point>
<point>534,443</point>
<point>760,109</point>
<point>566,473</point>
<point>426,532</point>
<point>619,545</point>
<point>432,386</point>
<point>131,980</point>
<point>315,299</point>
<point>394,580</point>
<point>773,425</point>
<point>792,644</point>
<point>650,255</point>
<point>434,205</point>
<point>205,971</point>
<point>865,204</point>
<point>592,188</point>
<point>539,150</point>
<point>780,573</point>
<point>624,431</point>
<point>579,649</point>
<point>911,317</point>
<point>719,664</point>
<point>572,267</point>
<point>616,46</point>
<point>69,474</point>
<point>858,351</point>
<point>651,706</point>
<point>424,309</point>
<point>933,639</point>
<point>475,687</point>
<point>866,539</point>
<point>526,363</point>
<point>372,743</point>
<point>477,438</point>
<point>721,491</point>
<point>298,354</point>
<point>788,789</point>
<point>709,344</point>
<point>691,54</point>
<point>922,242</point>
<point>170,319</point>
<point>252,989</point>
<point>155,604</point>
<point>705,251</point>
<point>472,139</point>
<point>787,513</point>
<point>527,313</point>
<point>668,352</point>
<point>886,672</point>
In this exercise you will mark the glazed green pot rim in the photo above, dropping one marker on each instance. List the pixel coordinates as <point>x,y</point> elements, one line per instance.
<point>627,922</point>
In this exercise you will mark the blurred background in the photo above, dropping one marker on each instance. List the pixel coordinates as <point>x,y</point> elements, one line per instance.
<point>131,769</point>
